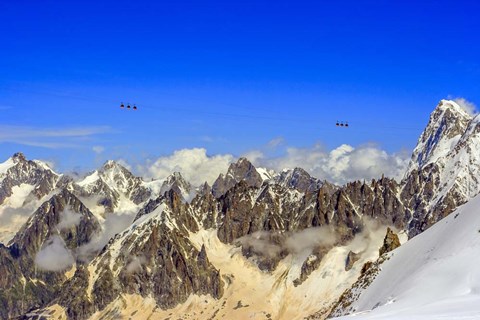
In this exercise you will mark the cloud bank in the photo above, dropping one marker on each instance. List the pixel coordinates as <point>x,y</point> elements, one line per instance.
<point>340,165</point>
<point>194,165</point>
<point>271,244</point>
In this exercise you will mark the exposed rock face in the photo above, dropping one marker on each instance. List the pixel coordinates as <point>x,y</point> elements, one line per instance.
<point>391,242</point>
<point>152,258</point>
<point>177,183</point>
<point>78,304</point>
<point>352,257</point>
<point>242,170</point>
<point>297,179</point>
<point>311,264</point>
<point>25,285</point>
<point>46,221</point>
<point>245,210</point>
<point>445,167</point>
<point>110,183</point>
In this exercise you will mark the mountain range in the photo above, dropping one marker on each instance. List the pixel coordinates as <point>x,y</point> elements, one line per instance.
<point>256,244</point>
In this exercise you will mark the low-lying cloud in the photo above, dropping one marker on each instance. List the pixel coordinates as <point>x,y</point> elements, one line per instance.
<point>68,219</point>
<point>54,255</point>
<point>114,223</point>
<point>302,242</point>
<point>135,264</point>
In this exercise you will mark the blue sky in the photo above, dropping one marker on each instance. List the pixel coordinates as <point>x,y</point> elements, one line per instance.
<point>230,77</point>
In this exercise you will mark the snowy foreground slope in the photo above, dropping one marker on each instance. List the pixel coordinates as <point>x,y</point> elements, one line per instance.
<point>435,275</point>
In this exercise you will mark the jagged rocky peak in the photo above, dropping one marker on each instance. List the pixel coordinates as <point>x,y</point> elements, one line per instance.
<point>18,157</point>
<point>445,167</point>
<point>62,213</point>
<point>204,189</point>
<point>112,182</point>
<point>115,174</point>
<point>238,171</point>
<point>447,124</point>
<point>176,182</point>
<point>298,179</point>
<point>17,171</point>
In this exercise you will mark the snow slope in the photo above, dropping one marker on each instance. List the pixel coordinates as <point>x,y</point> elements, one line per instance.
<point>433,276</point>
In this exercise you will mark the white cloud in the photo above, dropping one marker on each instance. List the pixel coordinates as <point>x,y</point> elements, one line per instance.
<point>340,165</point>
<point>194,165</point>
<point>114,223</point>
<point>270,244</point>
<point>98,149</point>
<point>68,219</point>
<point>54,256</point>
<point>466,105</point>
<point>135,264</point>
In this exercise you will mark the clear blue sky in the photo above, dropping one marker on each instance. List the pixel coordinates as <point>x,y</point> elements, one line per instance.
<point>227,75</point>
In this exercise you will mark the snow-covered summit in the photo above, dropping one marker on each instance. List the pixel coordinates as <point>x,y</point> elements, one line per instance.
<point>448,122</point>
<point>445,167</point>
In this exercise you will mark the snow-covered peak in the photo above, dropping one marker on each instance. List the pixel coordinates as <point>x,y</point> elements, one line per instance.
<point>265,173</point>
<point>19,159</point>
<point>116,176</point>
<point>176,182</point>
<point>112,174</point>
<point>4,166</point>
<point>445,167</point>
<point>297,179</point>
<point>448,122</point>
<point>89,179</point>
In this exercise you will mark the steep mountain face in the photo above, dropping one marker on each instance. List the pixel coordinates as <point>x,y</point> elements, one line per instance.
<point>177,183</point>
<point>113,184</point>
<point>37,257</point>
<point>153,258</point>
<point>242,170</point>
<point>18,171</point>
<point>445,167</point>
<point>24,184</point>
<point>297,179</point>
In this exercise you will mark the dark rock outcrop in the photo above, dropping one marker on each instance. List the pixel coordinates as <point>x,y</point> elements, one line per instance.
<point>352,257</point>
<point>242,170</point>
<point>391,242</point>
